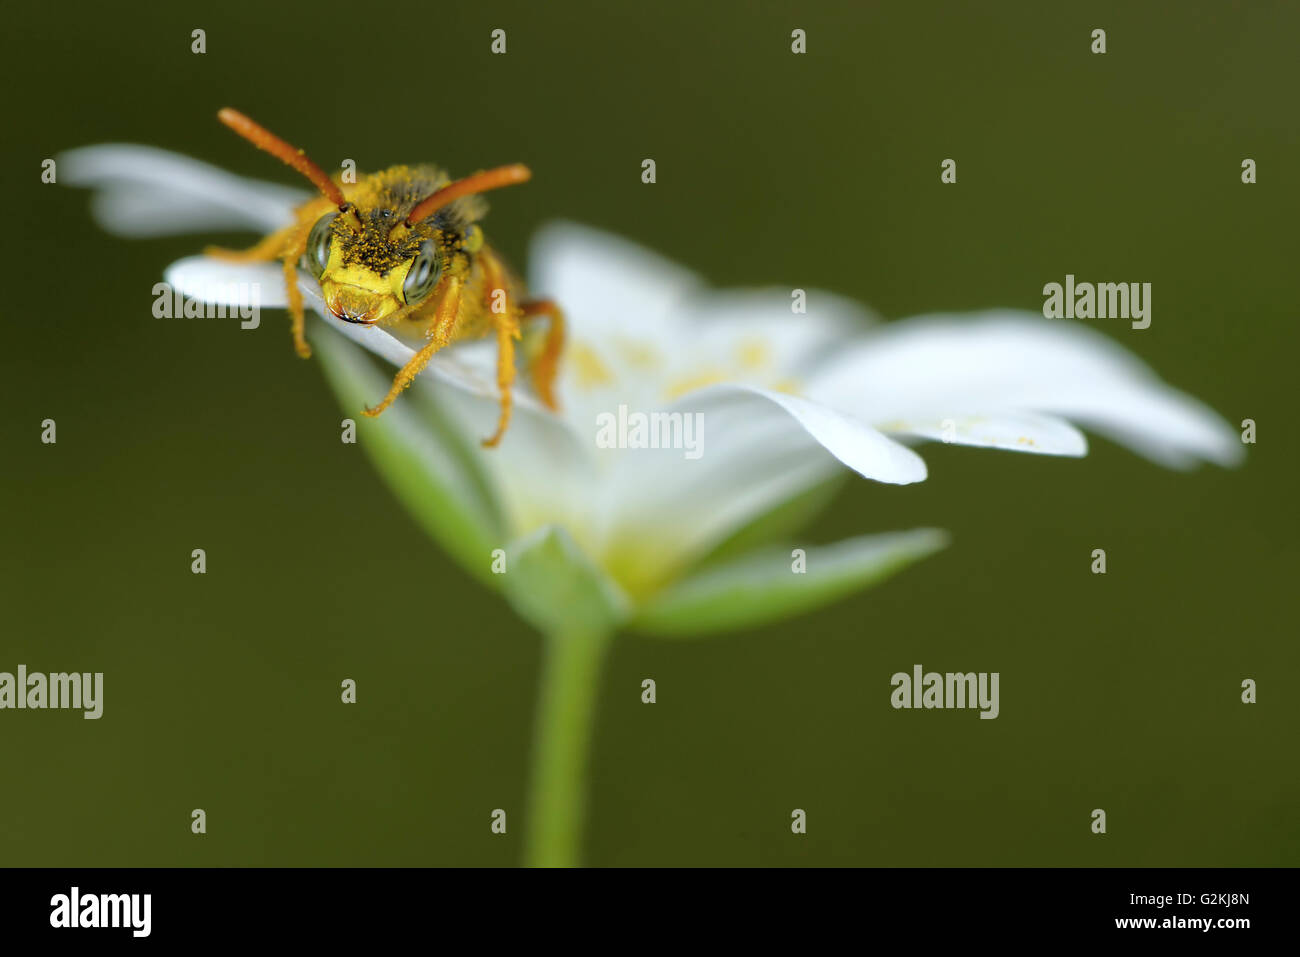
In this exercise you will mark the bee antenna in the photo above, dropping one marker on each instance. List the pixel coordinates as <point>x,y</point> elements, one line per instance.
<point>477,183</point>
<point>264,139</point>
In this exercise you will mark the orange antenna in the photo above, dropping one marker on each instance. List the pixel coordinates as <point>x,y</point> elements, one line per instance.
<point>264,139</point>
<point>478,183</point>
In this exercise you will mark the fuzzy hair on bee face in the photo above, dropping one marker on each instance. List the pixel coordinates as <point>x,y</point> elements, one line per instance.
<point>372,264</point>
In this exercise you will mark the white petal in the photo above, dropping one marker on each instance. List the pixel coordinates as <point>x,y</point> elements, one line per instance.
<point>759,449</point>
<point>541,474</point>
<point>933,368</point>
<point>470,367</point>
<point>755,332</point>
<point>230,284</point>
<point>605,281</point>
<point>151,192</point>
<point>1165,425</point>
<point>668,506</point>
<point>862,448</point>
<point>1013,431</point>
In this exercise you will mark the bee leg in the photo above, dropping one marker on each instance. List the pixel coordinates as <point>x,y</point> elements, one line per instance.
<point>506,323</point>
<point>292,252</point>
<point>507,327</point>
<point>264,251</point>
<point>545,367</point>
<point>439,332</point>
<point>288,244</point>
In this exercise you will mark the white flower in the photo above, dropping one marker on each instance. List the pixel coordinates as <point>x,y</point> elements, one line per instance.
<point>786,399</point>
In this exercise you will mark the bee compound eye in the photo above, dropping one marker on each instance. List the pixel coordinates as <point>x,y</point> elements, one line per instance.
<point>317,255</point>
<point>424,273</point>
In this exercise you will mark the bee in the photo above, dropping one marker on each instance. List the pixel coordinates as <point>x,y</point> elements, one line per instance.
<point>403,249</point>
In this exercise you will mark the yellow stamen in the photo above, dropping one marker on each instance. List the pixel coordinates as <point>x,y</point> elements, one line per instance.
<point>640,355</point>
<point>697,381</point>
<point>788,386</point>
<point>588,369</point>
<point>753,354</point>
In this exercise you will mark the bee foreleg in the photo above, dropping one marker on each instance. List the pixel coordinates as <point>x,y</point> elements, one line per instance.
<point>507,327</point>
<point>440,331</point>
<point>264,251</point>
<point>292,252</point>
<point>546,365</point>
<point>287,244</point>
<point>505,321</point>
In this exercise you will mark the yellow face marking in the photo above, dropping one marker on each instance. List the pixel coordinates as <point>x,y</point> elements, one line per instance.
<point>357,294</point>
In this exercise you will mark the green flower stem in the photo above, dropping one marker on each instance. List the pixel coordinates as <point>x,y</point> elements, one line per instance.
<point>566,705</point>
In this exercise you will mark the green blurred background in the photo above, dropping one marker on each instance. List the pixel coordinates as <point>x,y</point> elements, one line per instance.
<point>820,171</point>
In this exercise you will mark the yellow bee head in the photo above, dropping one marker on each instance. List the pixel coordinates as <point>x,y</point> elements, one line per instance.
<point>388,251</point>
<point>368,267</point>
